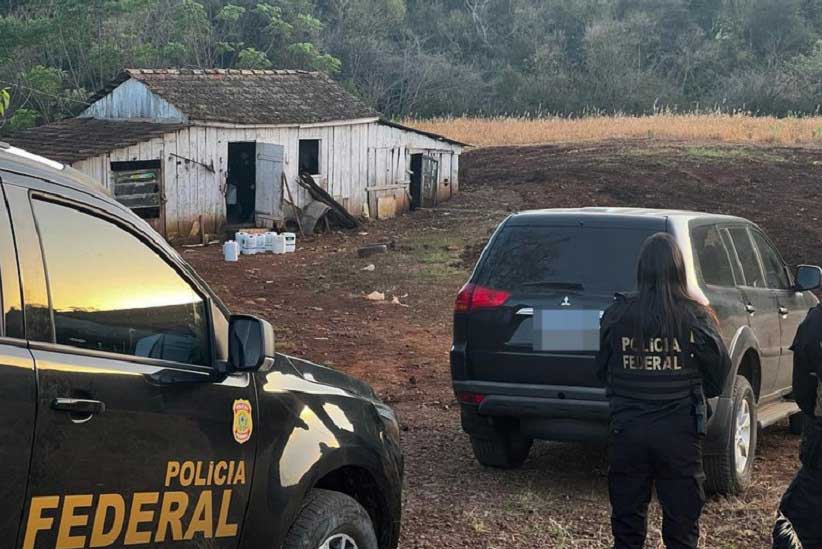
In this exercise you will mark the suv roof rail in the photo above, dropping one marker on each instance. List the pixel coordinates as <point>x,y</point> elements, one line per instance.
<point>31,157</point>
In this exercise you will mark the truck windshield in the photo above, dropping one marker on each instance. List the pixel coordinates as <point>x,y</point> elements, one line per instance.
<point>546,259</point>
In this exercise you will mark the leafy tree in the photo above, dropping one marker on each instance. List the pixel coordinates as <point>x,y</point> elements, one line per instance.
<point>430,57</point>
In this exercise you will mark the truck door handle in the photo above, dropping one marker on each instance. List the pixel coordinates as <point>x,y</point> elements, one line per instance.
<point>783,311</point>
<point>79,406</point>
<point>750,308</point>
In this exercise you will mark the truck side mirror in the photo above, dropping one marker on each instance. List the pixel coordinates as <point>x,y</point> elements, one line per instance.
<point>808,277</point>
<point>250,342</point>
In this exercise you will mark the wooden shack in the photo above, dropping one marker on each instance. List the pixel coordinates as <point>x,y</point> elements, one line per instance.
<point>217,147</point>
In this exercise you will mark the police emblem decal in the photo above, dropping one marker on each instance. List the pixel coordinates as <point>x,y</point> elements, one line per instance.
<point>565,302</point>
<point>243,423</point>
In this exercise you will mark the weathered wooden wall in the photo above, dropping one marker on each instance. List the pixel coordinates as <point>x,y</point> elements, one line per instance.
<point>360,162</point>
<point>132,100</point>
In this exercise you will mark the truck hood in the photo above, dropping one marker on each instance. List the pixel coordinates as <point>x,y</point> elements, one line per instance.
<point>316,373</point>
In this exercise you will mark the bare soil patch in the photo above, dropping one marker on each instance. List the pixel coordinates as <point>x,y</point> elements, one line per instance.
<point>315,299</point>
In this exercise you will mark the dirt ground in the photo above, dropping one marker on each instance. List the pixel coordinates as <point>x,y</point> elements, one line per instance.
<point>316,301</point>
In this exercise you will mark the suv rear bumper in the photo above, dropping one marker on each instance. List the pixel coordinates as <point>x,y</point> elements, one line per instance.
<point>549,412</point>
<point>556,412</point>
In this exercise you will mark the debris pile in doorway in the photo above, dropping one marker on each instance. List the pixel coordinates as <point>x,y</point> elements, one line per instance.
<point>329,209</point>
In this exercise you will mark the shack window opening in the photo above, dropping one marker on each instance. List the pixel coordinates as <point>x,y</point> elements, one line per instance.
<point>137,186</point>
<point>310,156</point>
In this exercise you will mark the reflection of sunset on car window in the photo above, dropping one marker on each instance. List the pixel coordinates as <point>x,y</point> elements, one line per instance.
<point>94,268</point>
<point>111,292</point>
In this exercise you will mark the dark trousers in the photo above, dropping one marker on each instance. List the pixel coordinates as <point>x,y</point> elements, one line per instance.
<point>799,525</point>
<point>666,454</point>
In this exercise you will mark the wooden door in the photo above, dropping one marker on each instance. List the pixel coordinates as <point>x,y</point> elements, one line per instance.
<point>268,209</point>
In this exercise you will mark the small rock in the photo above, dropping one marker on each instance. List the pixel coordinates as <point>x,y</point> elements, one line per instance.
<point>375,296</point>
<point>370,268</point>
<point>373,249</point>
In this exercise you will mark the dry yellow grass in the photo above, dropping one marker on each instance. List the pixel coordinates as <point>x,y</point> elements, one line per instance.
<point>731,128</point>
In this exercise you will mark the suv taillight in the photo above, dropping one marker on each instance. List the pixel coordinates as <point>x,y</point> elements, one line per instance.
<point>466,397</point>
<point>473,297</point>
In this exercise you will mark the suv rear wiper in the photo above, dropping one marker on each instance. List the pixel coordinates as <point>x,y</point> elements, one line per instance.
<point>555,284</point>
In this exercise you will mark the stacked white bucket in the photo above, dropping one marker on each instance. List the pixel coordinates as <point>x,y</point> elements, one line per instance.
<point>259,243</point>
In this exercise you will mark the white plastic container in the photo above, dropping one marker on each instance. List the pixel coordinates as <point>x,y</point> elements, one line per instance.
<point>231,251</point>
<point>241,238</point>
<point>290,242</point>
<point>259,242</point>
<point>246,242</point>
<point>269,240</point>
<point>278,244</point>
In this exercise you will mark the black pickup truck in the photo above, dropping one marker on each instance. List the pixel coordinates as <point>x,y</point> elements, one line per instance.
<point>526,329</point>
<point>136,410</point>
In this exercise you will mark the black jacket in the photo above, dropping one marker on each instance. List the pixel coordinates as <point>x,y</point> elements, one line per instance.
<point>664,369</point>
<point>807,361</point>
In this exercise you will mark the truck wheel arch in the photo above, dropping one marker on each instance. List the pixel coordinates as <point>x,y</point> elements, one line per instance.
<point>353,471</point>
<point>360,484</point>
<point>751,369</point>
<point>286,476</point>
<point>744,351</point>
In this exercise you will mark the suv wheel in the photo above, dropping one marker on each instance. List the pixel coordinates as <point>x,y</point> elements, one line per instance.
<point>331,520</point>
<point>502,450</point>
<point>730,472</point>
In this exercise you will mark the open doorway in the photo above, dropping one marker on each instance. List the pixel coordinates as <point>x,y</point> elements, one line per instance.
<point>416,181</point>
<point>240,194</point>
<point>424,174</point>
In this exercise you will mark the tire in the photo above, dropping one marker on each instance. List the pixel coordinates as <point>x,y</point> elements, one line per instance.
<point>727,473</point>
<point>796,423</point>
<point>503,450</point>
<point>331,520</point>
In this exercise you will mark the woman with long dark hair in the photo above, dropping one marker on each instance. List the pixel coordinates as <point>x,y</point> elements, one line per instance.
<point>660,357</point>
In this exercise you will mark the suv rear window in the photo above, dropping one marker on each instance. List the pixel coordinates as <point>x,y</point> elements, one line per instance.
<point>533,259</point>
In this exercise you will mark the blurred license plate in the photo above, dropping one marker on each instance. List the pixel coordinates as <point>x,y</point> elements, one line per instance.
<point>563,330</point>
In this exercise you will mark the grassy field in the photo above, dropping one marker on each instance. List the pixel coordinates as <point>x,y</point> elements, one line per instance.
<point>730,128</point>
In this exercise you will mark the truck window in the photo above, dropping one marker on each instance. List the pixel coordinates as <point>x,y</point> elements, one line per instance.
<point>776,276</point>
<point>713,261</point>
<point>600,259</point>
<point>111,292</point>
<point>747,257</point>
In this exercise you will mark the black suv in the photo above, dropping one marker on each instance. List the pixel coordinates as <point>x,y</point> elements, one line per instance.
<point>135,410</point>
<point>526,328</point>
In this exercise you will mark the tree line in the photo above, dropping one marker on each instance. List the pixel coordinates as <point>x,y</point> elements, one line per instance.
<point>433,57</point>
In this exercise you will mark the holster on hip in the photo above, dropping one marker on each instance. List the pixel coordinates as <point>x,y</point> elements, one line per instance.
<point>700,410</point>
